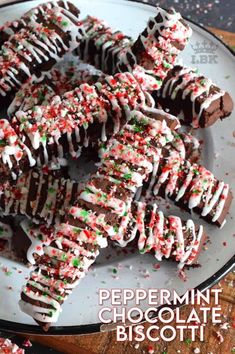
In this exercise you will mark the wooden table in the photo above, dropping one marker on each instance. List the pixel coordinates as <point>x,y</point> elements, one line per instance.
<point>105,343</point>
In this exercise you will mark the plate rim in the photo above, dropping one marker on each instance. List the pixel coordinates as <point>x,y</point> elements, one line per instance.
<point>11,326</point>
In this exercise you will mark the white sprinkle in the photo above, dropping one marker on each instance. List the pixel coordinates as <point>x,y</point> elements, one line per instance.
<point>224,326</point>
<point>220,337</point>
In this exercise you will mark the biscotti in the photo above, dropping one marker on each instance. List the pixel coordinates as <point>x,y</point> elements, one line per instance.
<point>180,90</point>
<point>82,116</point>
<point>33,16</point>
<point>39,196</point>
<point>192,97</point>
<point>64,77</point>
<point>190,186</point>
<point>33,50</point>
<point>103,209</point>
<point>149,57</point>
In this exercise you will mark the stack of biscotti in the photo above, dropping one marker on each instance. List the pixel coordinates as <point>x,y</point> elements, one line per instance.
<point>155,50</point>
<point>112,51</point>
<point>142,156</point>
<point>181,90</point>
<point>34,195</point>
<point>48,33</point>
<point>81,116</point>
<point>104,209</point>
<point>30,198</point>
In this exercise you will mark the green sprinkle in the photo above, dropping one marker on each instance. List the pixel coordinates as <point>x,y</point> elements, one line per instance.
<point>64,257</point>
<point>142,251</point>
<point>116,228</point>
<point>8,273</point>
<point>84,214</point>
<point>76,229</point>
<point>87,190</point>
<point>51,190</point>
<point>40,237</point>
<point>196,191</point>
<point>44,138</point>
<point>227,77</point>
<point>169,234</point>
<point>137,128</point>
<point>2,142</point>
<point>114,271</point>
<point>48,205</point>
<point>76,262</point>
<point>188,341</point>
<point>1,230</point>
<point>166,65</point>
<point>103,146</point>
<point>41,96</point>
<point>64,23</point>
<point>127,176</point>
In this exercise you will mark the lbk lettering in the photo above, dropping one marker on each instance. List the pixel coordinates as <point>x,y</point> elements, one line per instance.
<point>204,59</point>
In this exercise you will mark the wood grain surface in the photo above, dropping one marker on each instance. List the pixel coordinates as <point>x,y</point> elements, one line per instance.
<point>105,343</point>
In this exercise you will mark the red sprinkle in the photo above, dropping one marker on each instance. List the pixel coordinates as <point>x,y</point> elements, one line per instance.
<point>27,343</point>
<point>150,349</point>
<point>156,266</point>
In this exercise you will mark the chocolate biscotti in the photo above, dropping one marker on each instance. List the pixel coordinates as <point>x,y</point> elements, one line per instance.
<point>151,55</point>
<point>191,186</point>
<point>33,16</point>
<point>158,46</point>
<point>64,77</point>
<point>79,118</point>
<point>182,91</point>
<point>62,261</point>
<point>44,194</point>
<point>101,46</point>
<point>34,49</point>
<point>39,196</point>
<point>103,209</point>
<point>192,97</point>
<point>16,195</point>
